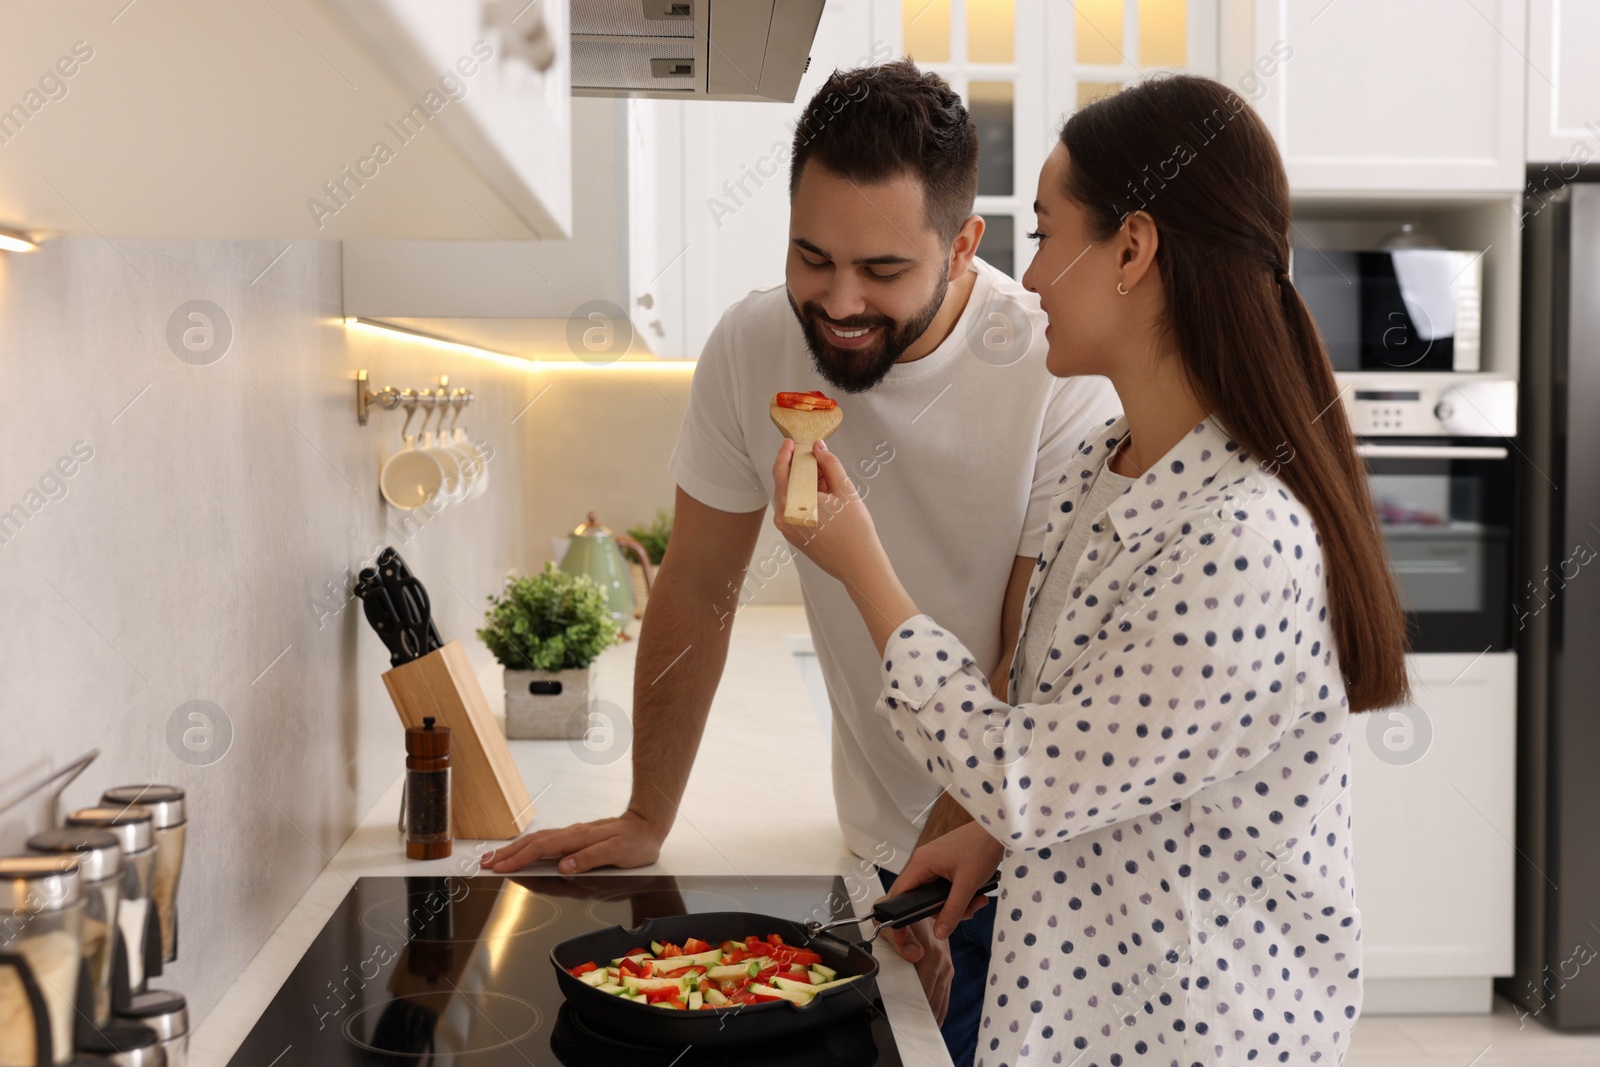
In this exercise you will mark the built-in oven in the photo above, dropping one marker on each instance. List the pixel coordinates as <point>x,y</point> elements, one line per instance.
<point>1441,462</point>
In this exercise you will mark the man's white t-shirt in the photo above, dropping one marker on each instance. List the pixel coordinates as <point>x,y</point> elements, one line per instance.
<point>957,455</point>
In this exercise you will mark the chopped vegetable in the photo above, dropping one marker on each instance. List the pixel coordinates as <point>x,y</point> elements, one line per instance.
<point>812,401</point>
<point>694,976</point>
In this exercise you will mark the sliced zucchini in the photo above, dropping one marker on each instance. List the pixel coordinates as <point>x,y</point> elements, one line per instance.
<point>703,959</point>
<point>787,994</point>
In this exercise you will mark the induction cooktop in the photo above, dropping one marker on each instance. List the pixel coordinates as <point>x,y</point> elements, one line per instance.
<point>448,970</point>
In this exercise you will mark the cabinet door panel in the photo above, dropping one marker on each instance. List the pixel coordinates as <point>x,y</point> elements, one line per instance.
<point>513,123</point>
<point>1434,812</point>
<point>1563,83</point>
<point>1419,96</point>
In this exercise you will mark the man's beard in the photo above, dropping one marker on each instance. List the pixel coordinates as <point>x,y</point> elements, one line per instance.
<point>856,370</point>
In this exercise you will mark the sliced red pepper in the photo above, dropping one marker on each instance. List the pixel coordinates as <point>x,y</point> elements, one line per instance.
<point>775,939</point>
<point>805,957</point>
<point>694,946</point>
<point>761,998</point>
<point>665,993</point>
<point>812,401</point>
<point>641,951</point>
<point>583,968</point>
<point>669,951</point>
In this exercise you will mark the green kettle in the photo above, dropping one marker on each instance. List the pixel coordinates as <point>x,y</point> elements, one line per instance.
<point>597,552</point>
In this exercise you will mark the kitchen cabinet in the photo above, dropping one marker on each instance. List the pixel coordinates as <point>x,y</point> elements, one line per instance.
<point>1563,86</point>
<point>1433,789</point>
<point>1372,96</point>
<point>294,119</point>
<point>708,211</point>
<point>513,296</point>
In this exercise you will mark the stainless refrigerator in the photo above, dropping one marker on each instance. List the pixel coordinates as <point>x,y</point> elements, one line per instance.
<point>1556,607</point>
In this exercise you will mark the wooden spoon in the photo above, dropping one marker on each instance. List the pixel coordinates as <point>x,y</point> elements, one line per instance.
<point>804,428</point>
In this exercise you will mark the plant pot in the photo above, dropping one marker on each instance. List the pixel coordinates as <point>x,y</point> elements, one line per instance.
<point>548,705</point>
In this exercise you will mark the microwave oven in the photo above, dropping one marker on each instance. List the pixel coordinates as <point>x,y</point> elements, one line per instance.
<point>1412,309</point>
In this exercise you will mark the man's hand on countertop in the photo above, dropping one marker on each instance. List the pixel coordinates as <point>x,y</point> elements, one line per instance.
<point>628,840</point>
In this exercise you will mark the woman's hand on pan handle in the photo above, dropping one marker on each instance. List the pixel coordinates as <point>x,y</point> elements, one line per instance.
<point>966,856</point>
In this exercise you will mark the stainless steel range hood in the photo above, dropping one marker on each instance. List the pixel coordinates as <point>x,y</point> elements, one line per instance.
<point>692,49</point>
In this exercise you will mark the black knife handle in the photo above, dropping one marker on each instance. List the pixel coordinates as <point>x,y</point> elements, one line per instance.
<point>921,902</point>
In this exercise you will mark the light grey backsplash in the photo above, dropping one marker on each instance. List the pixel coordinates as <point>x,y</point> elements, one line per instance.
<point>202,546</point>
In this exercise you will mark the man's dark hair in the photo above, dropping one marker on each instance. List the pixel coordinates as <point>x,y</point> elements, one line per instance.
<point>872,124</point>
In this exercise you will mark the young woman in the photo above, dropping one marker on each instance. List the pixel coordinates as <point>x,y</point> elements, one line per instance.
<point>1165,786</point>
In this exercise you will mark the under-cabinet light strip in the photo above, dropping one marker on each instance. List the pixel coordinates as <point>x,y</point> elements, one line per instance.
<point>625,365</point>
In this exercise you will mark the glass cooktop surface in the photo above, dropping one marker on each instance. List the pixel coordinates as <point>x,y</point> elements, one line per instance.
<point>448,970</point>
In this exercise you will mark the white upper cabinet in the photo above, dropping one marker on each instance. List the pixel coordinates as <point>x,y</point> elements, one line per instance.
<point>1394,95</point>
<point>514,126</point>
<point>289,119</point>
<point>709,201</point>
<point>1563,84</point>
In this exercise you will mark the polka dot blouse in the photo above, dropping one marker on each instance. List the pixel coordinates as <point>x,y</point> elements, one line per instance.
<point>1172,786</point>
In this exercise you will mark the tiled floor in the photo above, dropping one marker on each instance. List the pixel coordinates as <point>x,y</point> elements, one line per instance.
<point>1497,1040</point>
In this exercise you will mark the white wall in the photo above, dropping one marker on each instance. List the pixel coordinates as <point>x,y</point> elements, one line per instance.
<point>188,559</point>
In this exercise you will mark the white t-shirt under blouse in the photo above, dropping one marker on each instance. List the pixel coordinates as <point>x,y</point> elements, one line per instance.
<point>957,455</point>
<point>1051,600</point>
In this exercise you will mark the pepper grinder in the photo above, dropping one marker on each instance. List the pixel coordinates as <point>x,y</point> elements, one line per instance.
<point>138,947</point>
<point>41,954</point>
<point>169,822</point>
<point>428,791</point>
<point>98,854</point>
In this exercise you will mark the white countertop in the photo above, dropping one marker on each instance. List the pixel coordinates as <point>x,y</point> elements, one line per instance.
<point>761,708</point>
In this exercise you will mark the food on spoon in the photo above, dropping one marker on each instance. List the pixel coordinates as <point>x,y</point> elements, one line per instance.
<point>804,418</point>
<point>696,977</point>
<point>812,401</point>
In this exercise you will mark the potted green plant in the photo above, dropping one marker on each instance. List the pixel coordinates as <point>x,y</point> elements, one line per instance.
<point>547,630</point>
<point>653,538</point>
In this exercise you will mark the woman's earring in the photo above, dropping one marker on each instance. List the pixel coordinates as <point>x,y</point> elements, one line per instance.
<point>1121,290</point>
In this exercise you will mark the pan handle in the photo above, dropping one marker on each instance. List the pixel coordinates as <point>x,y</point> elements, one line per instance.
<point>921,902</point>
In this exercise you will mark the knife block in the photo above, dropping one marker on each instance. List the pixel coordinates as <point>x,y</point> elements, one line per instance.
<point>487,798</point>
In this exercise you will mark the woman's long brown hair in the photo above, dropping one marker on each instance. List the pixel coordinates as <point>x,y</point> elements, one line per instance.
<point>1191,154</point>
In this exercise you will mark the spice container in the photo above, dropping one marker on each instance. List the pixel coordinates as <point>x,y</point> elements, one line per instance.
<point>138,931</point>
<point>428,791</point>
<point>169,820</point>
<point>147,1051</point>
<point>99,857</point>
<point>41,953</point>
<point>168,1015</point>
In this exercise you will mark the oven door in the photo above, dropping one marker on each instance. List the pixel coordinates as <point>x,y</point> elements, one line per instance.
<point>1445,510</point>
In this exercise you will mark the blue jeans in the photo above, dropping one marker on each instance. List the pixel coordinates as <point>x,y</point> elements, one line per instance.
<point>969,951</point>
